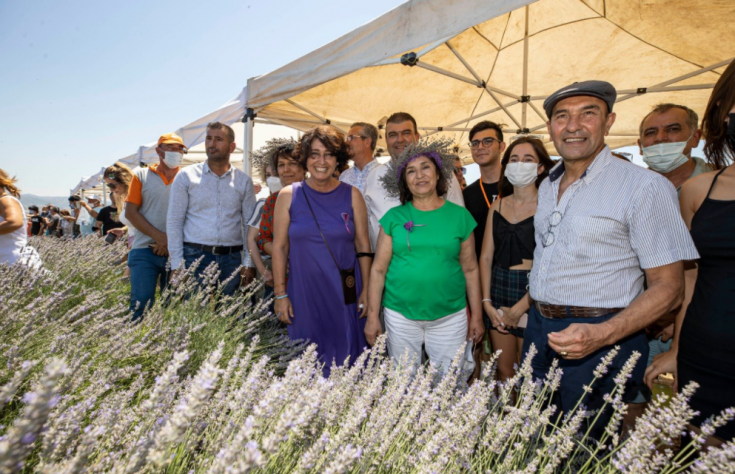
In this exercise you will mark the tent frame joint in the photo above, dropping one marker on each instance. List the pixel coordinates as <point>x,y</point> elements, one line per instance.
<point>524,99</point>
<point>410,59</point>
<point>641,90</point>
<point>249,115</point>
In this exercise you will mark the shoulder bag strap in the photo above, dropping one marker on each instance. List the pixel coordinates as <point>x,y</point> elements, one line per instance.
<point>306,196</point>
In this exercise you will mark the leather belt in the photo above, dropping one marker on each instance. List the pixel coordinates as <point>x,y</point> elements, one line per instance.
<point>553,311</point>
<point>215,250</point>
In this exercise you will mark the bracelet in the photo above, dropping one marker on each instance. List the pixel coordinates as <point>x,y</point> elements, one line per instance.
<point>365,254</point>
<point>285,295</point>
<point>486,299</point>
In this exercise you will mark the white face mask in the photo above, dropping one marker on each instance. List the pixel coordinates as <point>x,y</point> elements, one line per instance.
<point>173,159</point>
<point>274,184</point>
<point>520,174</point>
<point>665,157</point>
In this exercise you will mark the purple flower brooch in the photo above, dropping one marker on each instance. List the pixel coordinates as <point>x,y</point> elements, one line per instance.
<point>409,228</point>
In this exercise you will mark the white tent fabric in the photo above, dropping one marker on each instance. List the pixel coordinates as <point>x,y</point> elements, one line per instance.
<point>452,63</point>
<point>499,59</point>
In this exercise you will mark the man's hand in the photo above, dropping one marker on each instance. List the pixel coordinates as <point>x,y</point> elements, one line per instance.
<point>158,250</point>
<point>667,333</point>
<point>268,277</point>
<point>248,275</point>
<point>174,275</point>
<point>476,329</point>
<point>662,364</point>
<point>579,340</point>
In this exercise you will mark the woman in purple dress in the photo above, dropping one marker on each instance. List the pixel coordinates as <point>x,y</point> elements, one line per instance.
<point>321,234</point>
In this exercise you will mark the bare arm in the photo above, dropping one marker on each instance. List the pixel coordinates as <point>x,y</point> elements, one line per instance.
<point>468,261</point>
<point>362,245</point>
<point>381,262</point>
<point>252,242</point>
<point>281,223</point>
<point>13,215</point>
<point>665,293</point>
<point>486,265</point>
<point>89,209</point>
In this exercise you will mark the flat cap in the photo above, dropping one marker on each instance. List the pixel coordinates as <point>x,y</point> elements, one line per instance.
<point>600,89</point>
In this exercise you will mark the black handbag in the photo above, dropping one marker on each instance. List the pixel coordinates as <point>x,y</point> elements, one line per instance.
<point>349,283</point>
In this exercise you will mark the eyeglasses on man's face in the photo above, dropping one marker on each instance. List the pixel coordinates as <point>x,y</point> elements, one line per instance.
<point>486,142</point>
<point>463,169</point>
<point>349,138</point>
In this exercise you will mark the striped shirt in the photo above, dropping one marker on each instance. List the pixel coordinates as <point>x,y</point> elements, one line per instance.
<point>358,177</point>
<point>617,220</point>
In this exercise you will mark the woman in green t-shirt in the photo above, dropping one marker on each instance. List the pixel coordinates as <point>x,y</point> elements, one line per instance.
<point>425,260</point>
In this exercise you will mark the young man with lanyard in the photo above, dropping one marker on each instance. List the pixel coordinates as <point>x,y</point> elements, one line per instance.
<point>146,207</point>
<point>487,147</point>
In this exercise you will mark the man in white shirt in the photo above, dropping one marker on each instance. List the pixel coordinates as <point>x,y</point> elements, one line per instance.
<point>362,139</point>
<point>209,207</point>
<point>400,131</point>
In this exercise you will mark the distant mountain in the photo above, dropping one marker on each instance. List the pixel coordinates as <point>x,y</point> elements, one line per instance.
<point>62,202</point>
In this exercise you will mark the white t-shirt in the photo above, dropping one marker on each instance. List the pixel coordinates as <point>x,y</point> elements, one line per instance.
<point>12,244</point>
<point>378,202</point>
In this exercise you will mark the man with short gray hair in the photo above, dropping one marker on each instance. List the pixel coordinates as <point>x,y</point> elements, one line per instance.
<point>362,138</point>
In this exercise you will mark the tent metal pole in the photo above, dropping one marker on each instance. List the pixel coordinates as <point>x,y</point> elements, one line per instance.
<point>524,103</point>
<point>488,89</point>
<point>677,79</point>
<point>104,193</point>
<point>480,81</point>
<point>314,114</point>
<point>247,147</point>
<point>427,49</point>
<point>444,72</point>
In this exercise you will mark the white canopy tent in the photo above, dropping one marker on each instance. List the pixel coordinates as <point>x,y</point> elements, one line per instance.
<point>452,63</point>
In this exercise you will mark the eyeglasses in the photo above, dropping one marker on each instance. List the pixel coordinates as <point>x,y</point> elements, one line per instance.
<point>486,142</point>
<point>554,221</point>
<point>463,169</point>
<point>112,186</point>
<point>349,138</point>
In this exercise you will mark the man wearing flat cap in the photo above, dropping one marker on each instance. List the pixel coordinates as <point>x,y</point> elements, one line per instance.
<point>603,226</point>
<point>146,207</point>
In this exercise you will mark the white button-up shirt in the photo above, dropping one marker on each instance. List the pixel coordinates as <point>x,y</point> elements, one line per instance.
<point>616,220</point>
<point>358,177</point>
<point>208,209</point>
<point>378,202</point>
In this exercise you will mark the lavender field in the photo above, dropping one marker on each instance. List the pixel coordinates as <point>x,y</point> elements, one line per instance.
<point>216,387</point>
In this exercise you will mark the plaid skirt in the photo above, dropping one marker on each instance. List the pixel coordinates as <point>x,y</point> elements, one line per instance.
<point>506,289</point>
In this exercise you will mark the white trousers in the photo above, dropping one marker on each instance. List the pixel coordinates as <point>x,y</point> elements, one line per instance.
<point>442,338</point>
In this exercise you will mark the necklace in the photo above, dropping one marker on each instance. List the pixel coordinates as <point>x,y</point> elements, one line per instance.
<point>515,216</point>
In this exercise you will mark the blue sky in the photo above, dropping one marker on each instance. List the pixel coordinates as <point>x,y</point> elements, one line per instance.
<point>87,82</point>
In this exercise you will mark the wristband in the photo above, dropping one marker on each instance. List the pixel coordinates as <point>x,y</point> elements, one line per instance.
<point>285,295</point>
<point>486,299</point>
<point>365,254</point>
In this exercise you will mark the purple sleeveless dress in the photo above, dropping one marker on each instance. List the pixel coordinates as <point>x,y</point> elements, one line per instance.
<point>314,284</point>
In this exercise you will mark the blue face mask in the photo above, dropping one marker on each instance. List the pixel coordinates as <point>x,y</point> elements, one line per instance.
<point>666,157</point>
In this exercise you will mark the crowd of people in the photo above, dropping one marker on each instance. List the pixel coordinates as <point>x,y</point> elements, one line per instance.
<point>575,257</point>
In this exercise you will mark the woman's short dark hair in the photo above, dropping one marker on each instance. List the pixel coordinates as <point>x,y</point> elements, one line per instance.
<point>717,146</point>
<point>442,185</point>
<point>286,152</point>
<point>332,139</point>
<point>505,188</point>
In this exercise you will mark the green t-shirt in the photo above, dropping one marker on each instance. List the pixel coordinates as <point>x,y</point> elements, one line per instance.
<point>426,282</point>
